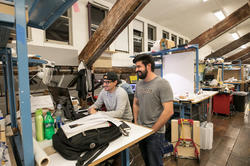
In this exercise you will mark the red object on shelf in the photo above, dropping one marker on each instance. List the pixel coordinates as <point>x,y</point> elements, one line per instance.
<point>221,103</point>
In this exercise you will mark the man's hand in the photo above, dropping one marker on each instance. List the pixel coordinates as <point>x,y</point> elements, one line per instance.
<point>92,111</point>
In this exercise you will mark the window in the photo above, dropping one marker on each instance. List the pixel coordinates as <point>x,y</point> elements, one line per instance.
<point>151,36</point>
<point>186,41</point>
<point>181,41</point>
<point>138,40</point>
<point>138,36</point>
<point>61,30</point>
<point>174,38</point>
<point>165,35</point>
<point>96,15</point>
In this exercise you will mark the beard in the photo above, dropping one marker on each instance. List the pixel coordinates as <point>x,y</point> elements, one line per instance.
<point>143,75</point>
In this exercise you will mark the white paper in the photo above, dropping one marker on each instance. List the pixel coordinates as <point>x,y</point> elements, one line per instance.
<point>87,123</point>
<point>42,159</point>
<point>40,102</point>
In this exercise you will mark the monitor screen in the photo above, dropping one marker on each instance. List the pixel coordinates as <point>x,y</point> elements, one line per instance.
<point>61,96</point>
<point>133,86</point>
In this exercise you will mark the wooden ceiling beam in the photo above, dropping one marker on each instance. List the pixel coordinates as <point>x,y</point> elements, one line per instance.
<point>223,26</point>
<point>121,14</point>
<point>118,70</point>
<point>247,61</point>
<point>230,47</point>
<point>243,58</point>
<point>238,55</point>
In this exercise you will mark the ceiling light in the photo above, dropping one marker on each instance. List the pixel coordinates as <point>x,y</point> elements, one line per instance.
<point>243,46</point>
<point>205,0</point>
<point>219,14</point>
<point>235,35</point>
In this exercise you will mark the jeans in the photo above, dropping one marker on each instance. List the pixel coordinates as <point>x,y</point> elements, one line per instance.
<point>152,149</point>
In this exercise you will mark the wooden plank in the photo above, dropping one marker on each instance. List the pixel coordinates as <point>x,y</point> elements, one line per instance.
<point>239,55</point>
<point>223,26</point>
<point>121,14</point>
<point>119,70</point>
<point>185,132</point>
<point>243,58</point>
<point>247,61</point>
<point>230,47</point>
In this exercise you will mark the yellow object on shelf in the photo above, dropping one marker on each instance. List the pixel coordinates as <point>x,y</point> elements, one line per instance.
<point>133,79</point>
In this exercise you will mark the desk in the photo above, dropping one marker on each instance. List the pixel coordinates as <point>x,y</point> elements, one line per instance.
<point>198,100</point>
<point>137,133</point>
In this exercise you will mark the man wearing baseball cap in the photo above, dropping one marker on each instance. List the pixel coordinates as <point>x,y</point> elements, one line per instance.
<point>114,98</point>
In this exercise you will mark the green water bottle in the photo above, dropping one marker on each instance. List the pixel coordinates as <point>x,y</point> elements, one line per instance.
<point>49,126</point>
<point>39,125</point>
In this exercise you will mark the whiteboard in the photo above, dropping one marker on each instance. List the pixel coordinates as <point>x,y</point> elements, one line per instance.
<point>178,69</point>
<point>121,42</point>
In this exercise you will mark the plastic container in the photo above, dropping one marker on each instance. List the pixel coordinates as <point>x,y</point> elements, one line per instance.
<point>39,125</point>
<point>206,135</point>
<point>59,116</point>
<point>240,100</point>
<point>49,126</point>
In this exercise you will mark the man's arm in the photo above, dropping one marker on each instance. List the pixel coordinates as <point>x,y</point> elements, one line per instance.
<point>97,104</point>
<point>165,115</point>
<point>135,109</point>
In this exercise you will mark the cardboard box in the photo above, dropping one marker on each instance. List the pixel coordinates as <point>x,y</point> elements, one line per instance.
<point>166,44</point>
<point>10,10</point>
<point>185,132</point>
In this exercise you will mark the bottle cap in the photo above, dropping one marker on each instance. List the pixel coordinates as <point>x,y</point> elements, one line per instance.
<point>48,113</point>
<point>59,106</point>
<point>39,112</point>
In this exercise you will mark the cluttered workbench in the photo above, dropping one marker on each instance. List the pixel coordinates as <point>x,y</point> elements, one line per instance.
<point>197,102</point>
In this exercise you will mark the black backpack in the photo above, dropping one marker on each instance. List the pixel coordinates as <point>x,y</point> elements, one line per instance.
<point>93,142</point>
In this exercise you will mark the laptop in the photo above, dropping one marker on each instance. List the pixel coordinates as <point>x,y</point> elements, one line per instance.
<point>61,96</point>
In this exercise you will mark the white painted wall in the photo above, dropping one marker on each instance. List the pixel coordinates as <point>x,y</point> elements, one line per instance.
<point>80,38</point>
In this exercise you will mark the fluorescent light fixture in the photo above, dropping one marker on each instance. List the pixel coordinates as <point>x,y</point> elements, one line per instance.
<point>235,35</point>
<point>243,46</point>
<point>204,0</point>
<point>219,14</point>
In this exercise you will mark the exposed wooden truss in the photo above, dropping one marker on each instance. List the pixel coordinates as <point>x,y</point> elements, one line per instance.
<point>239,55</point>
<point>121,14</point>
<point>223,26</point>
<point>124,70</point>
<point>247,61</point>
<point>230,47</point>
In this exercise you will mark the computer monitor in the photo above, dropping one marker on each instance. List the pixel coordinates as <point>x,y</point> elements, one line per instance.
<point>133,86</point>
<point>61,96</point>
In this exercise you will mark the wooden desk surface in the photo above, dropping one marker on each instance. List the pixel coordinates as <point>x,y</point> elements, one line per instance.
<point>199,98</point>
<point>137,133</point>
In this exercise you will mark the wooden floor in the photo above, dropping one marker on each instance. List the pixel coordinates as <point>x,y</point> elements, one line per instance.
<point>231,145</point>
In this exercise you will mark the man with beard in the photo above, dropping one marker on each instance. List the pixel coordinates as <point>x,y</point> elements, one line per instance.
<point>114,98</point>
<point>152,107</point>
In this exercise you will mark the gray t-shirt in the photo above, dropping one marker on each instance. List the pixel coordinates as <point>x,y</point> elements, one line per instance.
<point>150,96</point>
<point>116,103</point>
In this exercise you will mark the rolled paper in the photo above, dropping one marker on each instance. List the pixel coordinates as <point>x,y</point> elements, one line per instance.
<point>41,158</point>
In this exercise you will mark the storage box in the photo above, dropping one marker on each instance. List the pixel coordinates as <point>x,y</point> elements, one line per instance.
<point>166,44</point>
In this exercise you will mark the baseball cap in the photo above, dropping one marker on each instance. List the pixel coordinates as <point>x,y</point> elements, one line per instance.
<point>110,76</point>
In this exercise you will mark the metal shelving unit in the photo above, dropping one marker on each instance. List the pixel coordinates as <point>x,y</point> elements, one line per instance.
<point>42,13</point>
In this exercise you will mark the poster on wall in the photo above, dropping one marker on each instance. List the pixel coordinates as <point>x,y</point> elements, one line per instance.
<point>178,69</point>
